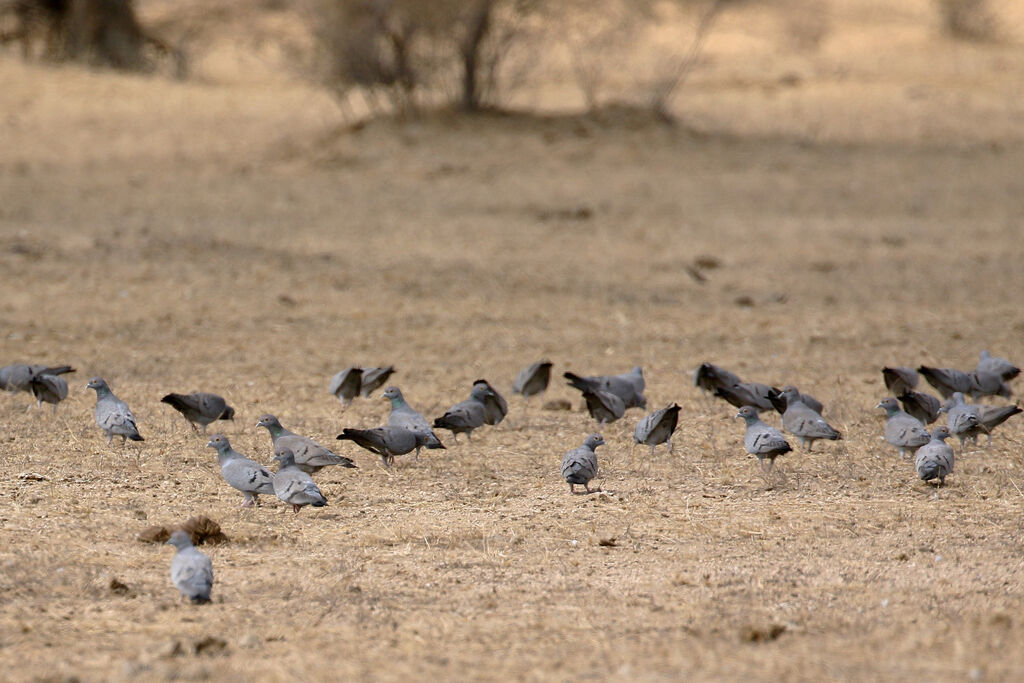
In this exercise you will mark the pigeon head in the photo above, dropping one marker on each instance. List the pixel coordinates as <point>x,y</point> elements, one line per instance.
<point>284,457</point>
<point>228,414</point>
<point>98,383</point>
<point>270,422</point>
<point>985,355</point>
<point>480,392</point>
<point>180,539</point>
<point>593,441</point>
<point>748,414</point>
<point>220,442</point>
<point>941,433</point>
<point>790,394</point>
<point>889,405</point>
<point>637,370</point>
<point>393,394</point>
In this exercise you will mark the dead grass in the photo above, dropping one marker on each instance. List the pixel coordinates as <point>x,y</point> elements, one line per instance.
<point>247,248</point>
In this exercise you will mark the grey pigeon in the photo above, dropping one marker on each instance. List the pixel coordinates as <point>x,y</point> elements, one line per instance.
<point>628,386</point>
<point>658,427</point>
<point>47,388</point>
<point>292,484</point>
<point>18,377</point>
<point>708,377</point>
<point>924,407</point>
<point>387,442</point>
<point>403,415</point>
<point>963,420</point>
<point>987,384</point>
<point>112,414</point>
<point>805,423</point>
<point>935,459</point>
<point>200,408</point>
<point>373,379</point>
<point>604,406</point>
<point>346,385</point>
<point>533,379</point>
<point>751,394</point>
<point>495,405</point>
<point>579,465</point>
<point>465,416</point>
<point>946,381</point>
<point>989,417</point>
<point>191,570</point>
<point>902,430</point>
<point>899,380</point>
<point>761,440</point>
<point>248,476</point>
<point>779,402</point>
<point>998,366</point>
<point>310,457</point>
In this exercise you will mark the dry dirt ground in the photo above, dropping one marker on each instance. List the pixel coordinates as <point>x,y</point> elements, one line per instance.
<point>232,236</point>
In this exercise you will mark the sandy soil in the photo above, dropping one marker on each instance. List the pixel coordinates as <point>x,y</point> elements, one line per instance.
<point>235,236</point>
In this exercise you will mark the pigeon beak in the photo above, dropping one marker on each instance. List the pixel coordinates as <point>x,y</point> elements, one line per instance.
<point>879,405</point>
<point>737,415</point>
<point>259,424</point>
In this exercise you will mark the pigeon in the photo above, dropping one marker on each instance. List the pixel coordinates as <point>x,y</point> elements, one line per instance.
<point>902,430</point>
<point>579,465</point>
<point>946,380</point>
<point>310,457</point>
<point>373,379</point>
<point>708,377</point>
<point>112,414</point>
<point>387,442</point>
<point>762,441</point>
<point>191,570</point>
<point>998,366</point>
<point>495,405</point>
<point>657,427</point>
<point>403,415</point>
<point>924,407</point>
<point>899,380</point>
<point>292,484</point>
<point>750,394</point>
<point>987,384</point>
<point>963,420</point>
<point>18,377</point>
<point>991,417</point>
<point>935,459</point>
<point>248,476</point>
<point>48,388</point>
<point>628,387</point>
<point>464,417</point>
<point>346,385</point>
<point>200,408</point>
<point>533,379</point>
<point>779,403</point>
<point>804,422</point>
<point>603,406</point>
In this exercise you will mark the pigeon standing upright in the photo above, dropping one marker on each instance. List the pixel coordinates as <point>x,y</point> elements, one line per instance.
<point>761,440</point>
<point>899,380</point>
<point>465,416</point>
<point>495,405</point>
<point>579,465</point>
<point>533,379</point>
<point>658,427</point>
<point>403,415</point>
<point>248,476</point>
<point>191,570</point>
<point>964,420</point>
<point>292,484</point>
<point>935,459</point>
<point>200,408</point>
<point>998,366</point>
<point>805,423</point>
<point>902,430</point>
<point>309,456</point>
<point>346,385</point>
<point>387,442</point>
<point>112,414</point>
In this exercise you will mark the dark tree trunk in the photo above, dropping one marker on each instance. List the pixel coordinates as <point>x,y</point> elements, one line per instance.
<point>477,25</point>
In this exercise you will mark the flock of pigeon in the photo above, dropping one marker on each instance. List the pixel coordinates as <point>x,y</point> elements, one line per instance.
<point>908,412</point>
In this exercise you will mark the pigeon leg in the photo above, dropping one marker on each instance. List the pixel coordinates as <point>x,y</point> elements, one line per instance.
<point>110,437</point>
<point>652,450</point>
<point>455,437</point>
<point>296,508</point>
<point>204,429</point>
<point>193,426</point>
<point>417,453</point>
<point>247,502</point>
<point>123,440</point>
<point>469,436</point>
<point>572,488</point>
<point>669,442</point>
